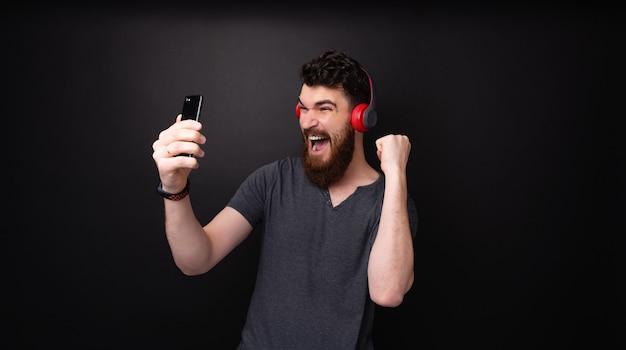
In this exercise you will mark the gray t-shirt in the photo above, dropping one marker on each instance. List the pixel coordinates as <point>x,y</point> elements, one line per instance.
<point>311,289</point>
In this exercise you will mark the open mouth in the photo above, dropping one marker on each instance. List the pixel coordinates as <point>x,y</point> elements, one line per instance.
<point>318,143</point>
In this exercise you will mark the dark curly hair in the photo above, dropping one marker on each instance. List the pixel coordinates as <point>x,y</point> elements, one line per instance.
<point>336,69</point>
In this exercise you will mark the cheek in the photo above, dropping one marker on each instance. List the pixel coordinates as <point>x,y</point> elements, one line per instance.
<point>339,123</point>
<point>343,132</point>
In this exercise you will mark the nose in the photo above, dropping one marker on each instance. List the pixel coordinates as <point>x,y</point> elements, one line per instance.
<point>308,119</point>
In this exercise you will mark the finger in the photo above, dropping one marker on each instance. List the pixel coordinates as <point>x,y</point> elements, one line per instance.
<point>379,144</point>
<point>156,145</point>
<point>178,148</point>
<point>173,149</point>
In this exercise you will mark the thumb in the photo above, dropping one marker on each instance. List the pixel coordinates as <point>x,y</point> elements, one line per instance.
<point>379,148</point>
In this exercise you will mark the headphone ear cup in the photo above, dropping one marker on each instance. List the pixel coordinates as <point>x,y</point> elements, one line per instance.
<point>358,123</point>
<point>370,117</point>
<point>298,111</point>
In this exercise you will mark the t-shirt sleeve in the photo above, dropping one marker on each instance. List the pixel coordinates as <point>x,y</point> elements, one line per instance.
<point>250,197</point>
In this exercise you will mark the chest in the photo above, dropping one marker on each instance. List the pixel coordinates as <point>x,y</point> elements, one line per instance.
<point>339,195</point>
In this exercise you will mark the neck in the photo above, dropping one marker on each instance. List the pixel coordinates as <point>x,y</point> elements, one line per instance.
<point>359,172</point>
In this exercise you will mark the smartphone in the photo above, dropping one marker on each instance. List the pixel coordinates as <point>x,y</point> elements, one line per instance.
<point>192,107</point>
<point>191,110</point>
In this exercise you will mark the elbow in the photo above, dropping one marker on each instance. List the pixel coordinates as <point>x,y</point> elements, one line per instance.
<point>192,263</point>
<point>390,294</point>
<point>191,270</point>
<point>388,298</point>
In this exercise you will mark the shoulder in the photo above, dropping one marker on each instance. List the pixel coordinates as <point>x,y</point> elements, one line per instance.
<point>290,162</point>
<point>284,165</point>
<point>280,167</point>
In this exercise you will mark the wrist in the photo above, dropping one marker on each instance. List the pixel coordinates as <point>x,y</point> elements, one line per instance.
<point>173,196</point>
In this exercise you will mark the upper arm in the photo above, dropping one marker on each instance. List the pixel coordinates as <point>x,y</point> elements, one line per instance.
<point>226,231</point>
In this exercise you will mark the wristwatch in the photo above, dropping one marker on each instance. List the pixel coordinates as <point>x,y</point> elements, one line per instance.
<point>173,196</point>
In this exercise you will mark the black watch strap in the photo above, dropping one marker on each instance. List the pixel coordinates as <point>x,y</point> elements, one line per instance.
<point>173,196</point>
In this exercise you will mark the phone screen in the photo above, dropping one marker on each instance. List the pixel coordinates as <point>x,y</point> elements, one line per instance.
<point>192,107</point>
<point>191,110</point>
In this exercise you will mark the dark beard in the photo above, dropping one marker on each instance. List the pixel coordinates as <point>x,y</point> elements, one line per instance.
<point>324,174</point>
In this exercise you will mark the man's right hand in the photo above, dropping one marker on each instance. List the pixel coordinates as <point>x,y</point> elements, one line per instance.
<point>182,137</point>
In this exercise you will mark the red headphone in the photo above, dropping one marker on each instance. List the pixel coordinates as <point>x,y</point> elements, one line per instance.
<point>364,115</point>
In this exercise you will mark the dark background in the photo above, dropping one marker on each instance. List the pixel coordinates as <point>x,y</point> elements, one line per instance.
<point>517,165</point>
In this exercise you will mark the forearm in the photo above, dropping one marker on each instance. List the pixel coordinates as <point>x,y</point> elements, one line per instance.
<point>390,269</point>
<point>190,246</point>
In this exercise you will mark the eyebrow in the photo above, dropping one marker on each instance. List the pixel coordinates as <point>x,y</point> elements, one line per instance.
<point>319,103</point>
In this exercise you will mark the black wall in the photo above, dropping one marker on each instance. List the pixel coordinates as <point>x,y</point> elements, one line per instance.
<point>517,166</point>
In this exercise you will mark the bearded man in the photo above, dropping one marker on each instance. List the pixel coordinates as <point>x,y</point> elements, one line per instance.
<point>337,233</point>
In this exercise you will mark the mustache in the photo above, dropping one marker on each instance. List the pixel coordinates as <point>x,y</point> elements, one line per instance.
<point>314,132</point>
<point>308,133</point>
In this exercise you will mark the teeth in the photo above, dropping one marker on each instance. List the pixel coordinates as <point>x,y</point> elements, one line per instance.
<point>314,140</point>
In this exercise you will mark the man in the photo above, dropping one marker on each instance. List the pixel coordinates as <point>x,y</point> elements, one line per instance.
<point>337,234</point>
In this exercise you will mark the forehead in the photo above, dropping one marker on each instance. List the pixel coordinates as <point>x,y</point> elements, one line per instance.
<point>311,95</point>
